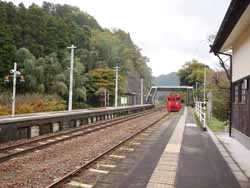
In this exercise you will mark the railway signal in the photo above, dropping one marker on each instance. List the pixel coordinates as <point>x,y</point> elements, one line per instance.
<point>14,73</point>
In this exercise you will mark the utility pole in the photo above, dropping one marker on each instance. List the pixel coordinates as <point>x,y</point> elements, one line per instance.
<point>108,99</point>
<point>105,97</point>
<point>196,89</point>
<point>72,47</point>
<point>204,95</point>
<point>142,91</point>
<point>116,86</point>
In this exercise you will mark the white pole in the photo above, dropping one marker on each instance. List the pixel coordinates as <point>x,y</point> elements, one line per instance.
<point>105,97</point>
<point>196,89</point>
<point>204,96</point>
<point>72,47</point>
<point>108,98</point>
<point>14,90</point>
<point>141,91</point>
<point>116,86</point>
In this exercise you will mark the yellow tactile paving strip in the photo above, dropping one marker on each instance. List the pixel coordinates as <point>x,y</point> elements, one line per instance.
<point>165,172</point>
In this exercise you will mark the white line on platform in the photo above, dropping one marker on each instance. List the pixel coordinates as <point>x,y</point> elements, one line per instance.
<point>191,125</point>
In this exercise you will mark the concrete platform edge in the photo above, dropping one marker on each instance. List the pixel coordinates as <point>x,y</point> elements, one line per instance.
<point>234,166</point>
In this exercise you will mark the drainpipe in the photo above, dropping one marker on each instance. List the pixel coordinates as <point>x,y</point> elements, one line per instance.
<point>231,90</point>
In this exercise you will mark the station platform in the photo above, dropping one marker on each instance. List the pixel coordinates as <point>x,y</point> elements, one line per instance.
<point>178,154</point>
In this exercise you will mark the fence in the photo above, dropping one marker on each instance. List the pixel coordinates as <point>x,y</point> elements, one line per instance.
<point>200,110</point>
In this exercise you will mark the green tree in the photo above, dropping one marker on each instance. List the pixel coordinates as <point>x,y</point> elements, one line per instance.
<point>37,39</point>
<point>219,85</point>
<point>103,77</point>
<point>191,72</point>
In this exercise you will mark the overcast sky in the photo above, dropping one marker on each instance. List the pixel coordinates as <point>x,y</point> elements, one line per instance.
<point>169,32</point>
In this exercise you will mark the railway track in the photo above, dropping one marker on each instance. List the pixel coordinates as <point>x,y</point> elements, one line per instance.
<point>10,152</point>
<point>68,179</point>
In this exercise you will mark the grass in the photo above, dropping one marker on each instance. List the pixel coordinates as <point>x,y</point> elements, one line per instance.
<point>217,125</point>
<point>214,124</point>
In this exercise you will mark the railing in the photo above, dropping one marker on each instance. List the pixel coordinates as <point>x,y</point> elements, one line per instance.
<point>200,110</point>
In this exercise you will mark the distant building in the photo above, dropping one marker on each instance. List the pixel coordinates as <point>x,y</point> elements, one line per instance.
<point>234,35</point>
<point>132,98</point>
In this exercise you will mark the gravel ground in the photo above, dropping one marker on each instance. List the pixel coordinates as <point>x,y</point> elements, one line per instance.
<point>41,168</point>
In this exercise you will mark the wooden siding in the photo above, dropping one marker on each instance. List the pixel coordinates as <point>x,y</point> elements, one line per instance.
<point>241,114</point>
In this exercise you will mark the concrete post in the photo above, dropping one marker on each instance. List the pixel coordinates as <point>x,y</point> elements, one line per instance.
<point>72,47</point>
<point>142,91</point>
<point>204,95</point>
<point>105,97</point>
<point>116,86</point>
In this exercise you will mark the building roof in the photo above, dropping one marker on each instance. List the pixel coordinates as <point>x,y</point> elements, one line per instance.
<point>131,93</point>
<point>228,30</point>
<point>172,88</point>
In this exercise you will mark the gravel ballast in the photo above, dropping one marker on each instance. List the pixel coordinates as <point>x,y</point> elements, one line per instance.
<point>41,168</point>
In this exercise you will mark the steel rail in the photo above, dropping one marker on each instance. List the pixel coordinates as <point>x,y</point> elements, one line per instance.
<point>71,174</point>
<point>70,135</point>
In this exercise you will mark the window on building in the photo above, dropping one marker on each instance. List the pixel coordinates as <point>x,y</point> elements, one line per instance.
<point>236,93</point>
<point>241,91</point>
<point>244,89</point>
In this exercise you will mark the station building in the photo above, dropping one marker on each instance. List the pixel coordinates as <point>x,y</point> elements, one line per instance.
<point>233,40</point>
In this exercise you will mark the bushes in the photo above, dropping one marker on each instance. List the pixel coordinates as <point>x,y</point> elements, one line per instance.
<point>220,105</point>
<point>4,110</point>
<point>217,125</point>
<point>30,103</point>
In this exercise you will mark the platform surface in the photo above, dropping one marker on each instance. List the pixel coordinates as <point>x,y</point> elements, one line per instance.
<point>179,154</point>
<point>200,163</point>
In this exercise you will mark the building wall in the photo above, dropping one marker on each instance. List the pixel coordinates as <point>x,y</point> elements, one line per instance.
<point>241,55</point>
<point>241,80</point>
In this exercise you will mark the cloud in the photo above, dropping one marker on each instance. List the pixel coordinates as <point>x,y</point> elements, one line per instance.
<point>169,32</point>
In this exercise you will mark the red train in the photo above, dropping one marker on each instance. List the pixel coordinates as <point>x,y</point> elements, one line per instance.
<point>173,103</point>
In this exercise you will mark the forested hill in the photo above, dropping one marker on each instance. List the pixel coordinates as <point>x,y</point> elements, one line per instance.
<point>37,39</point>
<point>171,79</point>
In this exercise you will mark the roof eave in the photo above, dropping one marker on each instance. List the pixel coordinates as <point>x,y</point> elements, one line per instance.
<point>233,14</point>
